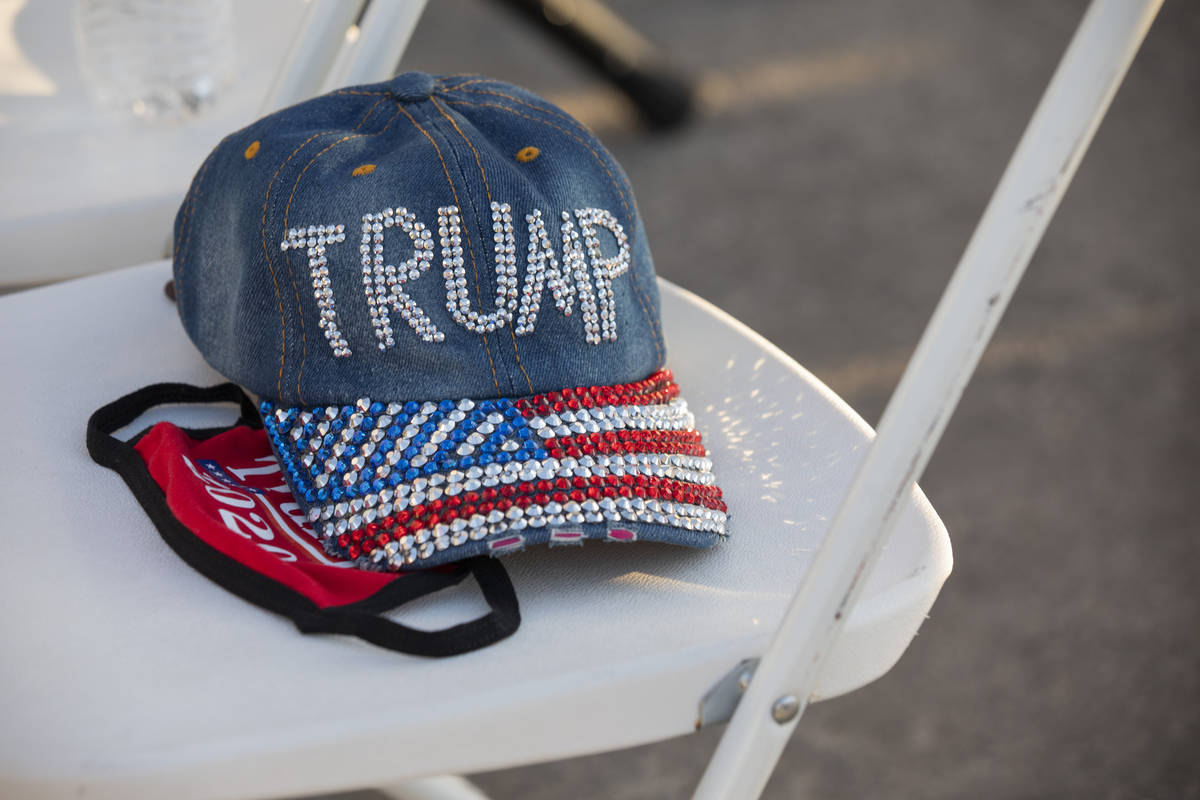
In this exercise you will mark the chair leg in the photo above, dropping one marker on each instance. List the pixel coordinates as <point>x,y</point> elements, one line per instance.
<point>441,787</point>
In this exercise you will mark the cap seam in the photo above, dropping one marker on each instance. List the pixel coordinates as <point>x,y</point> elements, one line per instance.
<point>557,114</point>
<point>488,190</point>
<point>359,92</point>
<point>642,301</point>
<point>267,249</point>
<point>182,238</point>
<point>287,210</point>
<point>434,126</point>
<point>454,192</point>
<point>458,86</point>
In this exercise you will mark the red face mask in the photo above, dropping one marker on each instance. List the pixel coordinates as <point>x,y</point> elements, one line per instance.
<point>218,499</point>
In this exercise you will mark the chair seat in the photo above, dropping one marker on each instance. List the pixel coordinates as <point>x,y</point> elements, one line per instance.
<point>125,673</point>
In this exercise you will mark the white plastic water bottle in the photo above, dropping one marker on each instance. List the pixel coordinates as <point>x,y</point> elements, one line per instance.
<point>155,59</point>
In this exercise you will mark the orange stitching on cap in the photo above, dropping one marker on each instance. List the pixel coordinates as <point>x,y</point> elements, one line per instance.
<point>271,265</point>
<point>185,212</point>
<point>189,202</point>
<point>292,275</point>
<point>453,191</point>
<point>187,206</point>
<point>288,207</point>
<point>453,75</point>
<point>458,86</point>
<point>177,254</point>
<point>527,154</point>
<point>611,177</point>
<point>641,298</point>
<point>365,169</point>
<point>487,189</point>
<point>554,112</point>
<point>287,210</point>
<point>370,110</point>
<point>252,150</point>
<point>628,217</point>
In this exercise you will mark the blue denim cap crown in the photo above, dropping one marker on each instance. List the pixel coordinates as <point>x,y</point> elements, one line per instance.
<point>406,252</point>
<point>414,145</point>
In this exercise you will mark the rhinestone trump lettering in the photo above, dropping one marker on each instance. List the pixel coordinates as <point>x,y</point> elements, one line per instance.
<point>390,485</point>
<point>314,239</point>
<point>584,273</point>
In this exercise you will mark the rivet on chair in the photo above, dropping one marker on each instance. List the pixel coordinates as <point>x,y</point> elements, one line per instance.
<point>527,154</point>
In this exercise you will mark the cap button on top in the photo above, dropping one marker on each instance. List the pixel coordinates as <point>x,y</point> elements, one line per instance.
<point>412,86</point>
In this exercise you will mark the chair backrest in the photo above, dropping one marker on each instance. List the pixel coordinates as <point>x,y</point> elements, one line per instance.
<point>117,182</point>
<point>340,43</point>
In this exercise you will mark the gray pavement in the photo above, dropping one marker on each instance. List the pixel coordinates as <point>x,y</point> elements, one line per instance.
<point>845,155</point>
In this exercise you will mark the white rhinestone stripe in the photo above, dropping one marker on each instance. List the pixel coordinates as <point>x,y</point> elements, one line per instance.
<point>663,417</point>
<point>666,417</point>
<point>689,469</point>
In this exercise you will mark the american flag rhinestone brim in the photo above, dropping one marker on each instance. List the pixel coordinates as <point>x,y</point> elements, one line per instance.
<point>408,485</point>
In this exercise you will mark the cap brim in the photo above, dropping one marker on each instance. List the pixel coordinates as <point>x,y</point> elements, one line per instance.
<point>407,484</point>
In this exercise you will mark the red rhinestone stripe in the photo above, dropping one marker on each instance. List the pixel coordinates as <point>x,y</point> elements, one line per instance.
<point>560,490</point>
<point>626,441</point>
<point>658,388</point>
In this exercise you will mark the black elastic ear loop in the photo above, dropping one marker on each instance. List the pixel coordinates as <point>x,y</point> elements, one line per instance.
<point>356,619</point>
<point>501,621</point>
<point>119,413</point>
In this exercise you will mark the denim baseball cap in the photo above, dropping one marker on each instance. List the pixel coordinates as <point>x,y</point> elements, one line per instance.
<point>441,291</point>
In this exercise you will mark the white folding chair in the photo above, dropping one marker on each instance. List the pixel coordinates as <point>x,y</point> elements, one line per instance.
<point>126,674</point>
<point>114,183</point>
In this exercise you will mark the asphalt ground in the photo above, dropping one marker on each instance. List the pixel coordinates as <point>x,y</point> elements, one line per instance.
<point>842,158</point>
